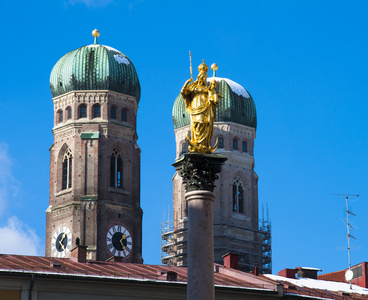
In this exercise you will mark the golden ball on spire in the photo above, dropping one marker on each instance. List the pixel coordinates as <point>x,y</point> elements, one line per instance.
<point>214,67</point>
<point>95,33</point>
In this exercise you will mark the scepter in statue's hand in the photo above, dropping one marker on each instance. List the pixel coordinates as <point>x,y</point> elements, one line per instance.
<point>190,61</point>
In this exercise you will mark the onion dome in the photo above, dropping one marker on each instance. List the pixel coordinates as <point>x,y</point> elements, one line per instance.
<point>236,105</point>
<point>95,67</point>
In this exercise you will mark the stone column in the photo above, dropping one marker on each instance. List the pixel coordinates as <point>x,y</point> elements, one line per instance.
<point>199,172</point>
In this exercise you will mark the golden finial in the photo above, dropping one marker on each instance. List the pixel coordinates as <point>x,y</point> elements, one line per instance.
<point>214,68</point>
<point>95,34</point>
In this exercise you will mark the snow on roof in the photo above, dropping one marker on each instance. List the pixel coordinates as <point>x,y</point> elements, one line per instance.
<point>235,87</point>
<point>120,58</point>
<point>308,268</point>
<point>321,284</point>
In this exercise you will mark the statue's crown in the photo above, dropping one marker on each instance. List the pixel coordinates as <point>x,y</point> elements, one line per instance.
<point>202,68</point>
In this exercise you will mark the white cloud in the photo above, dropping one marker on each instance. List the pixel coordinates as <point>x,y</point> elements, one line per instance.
<point>16,237</point>
<point>19,238</point>
<point>91,3</point>
<point>9,186</point>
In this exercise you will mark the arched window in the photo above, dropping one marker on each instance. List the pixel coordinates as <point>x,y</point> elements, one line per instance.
<point>96,111</point>
<point>244,146</point>
<point>184,148</point>
<point>68,113</point>
<point>60,116</point>
<point>220,142</point>
<point>124,115</point>
<point>83,111</point>
<point>238,196</point>
<point>235,144</point>
<point>116,169</point>
<point>113,112</point>
<point>67,170</point>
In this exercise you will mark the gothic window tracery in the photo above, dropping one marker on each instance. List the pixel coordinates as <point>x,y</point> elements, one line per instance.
<point>238,196</point>
<point>116,169</point>
<point>67,170</point>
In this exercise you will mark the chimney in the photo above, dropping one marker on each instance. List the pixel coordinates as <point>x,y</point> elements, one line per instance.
<point>307,272</point>
<point>256,270</point>
<point>172,276</point>
<point>168,276</point>
<point>231,260</point>
<point>79,253</point>
<point>288,273</point>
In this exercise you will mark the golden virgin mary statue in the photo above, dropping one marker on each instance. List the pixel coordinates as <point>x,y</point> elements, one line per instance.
<point>201,102</point>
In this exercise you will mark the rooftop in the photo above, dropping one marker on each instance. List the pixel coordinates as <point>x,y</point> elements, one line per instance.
<point>18,265</point>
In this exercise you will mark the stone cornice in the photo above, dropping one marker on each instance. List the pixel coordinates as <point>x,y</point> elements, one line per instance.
<point>123,130</point>
<point>100,96</point>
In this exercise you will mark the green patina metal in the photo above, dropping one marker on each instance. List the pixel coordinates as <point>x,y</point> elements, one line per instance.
<point>232,108</point>
<point>90,135</point>
<point>95,67</point>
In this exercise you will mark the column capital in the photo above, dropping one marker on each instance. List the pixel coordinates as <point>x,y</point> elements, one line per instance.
<point>199,171</point>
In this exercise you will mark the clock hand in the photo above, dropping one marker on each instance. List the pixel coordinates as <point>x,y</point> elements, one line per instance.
<point>121,241</point>
<point>60,242</point>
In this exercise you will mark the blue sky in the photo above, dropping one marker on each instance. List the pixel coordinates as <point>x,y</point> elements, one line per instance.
<point>303,62</point>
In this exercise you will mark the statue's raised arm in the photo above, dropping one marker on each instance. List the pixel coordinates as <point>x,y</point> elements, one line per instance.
<point>201,102</point>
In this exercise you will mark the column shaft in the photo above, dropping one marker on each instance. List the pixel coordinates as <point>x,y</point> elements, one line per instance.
<point>200,245</point>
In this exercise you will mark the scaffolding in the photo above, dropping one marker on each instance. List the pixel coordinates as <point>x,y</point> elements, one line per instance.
<point>252,252</point>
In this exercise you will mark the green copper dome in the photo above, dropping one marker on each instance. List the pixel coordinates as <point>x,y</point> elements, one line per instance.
<point>95,67</point>
<point>236,105</point>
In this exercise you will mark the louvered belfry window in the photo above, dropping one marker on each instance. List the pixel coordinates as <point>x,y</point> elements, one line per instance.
<point>67,170</point>
<point>116,169</point>
<point>238,196</point>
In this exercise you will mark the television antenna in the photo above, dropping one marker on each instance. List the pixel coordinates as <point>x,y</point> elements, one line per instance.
<point>349,273</point>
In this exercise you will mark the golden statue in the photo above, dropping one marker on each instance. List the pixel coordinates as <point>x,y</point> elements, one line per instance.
<point>201,102</point>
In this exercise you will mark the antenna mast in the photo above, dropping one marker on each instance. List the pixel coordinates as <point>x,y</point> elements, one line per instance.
<point>348,226</point>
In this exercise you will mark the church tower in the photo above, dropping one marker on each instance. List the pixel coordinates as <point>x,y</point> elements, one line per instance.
<point>95,159</point>
<point>236,222</point>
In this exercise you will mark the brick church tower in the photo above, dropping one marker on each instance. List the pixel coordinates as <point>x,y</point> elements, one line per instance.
<point>237,228</point>
<point>95,159</point>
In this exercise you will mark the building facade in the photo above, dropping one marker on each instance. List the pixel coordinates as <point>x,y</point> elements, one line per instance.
<point>237,228</point>
<point>95,159</point>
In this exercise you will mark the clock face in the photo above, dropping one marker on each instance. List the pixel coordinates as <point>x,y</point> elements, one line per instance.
<point>61,242</point>
<point>119,241</point>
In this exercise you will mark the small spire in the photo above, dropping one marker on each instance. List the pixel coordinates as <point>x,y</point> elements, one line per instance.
<point>214,68</point>
<point>95,34</point>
